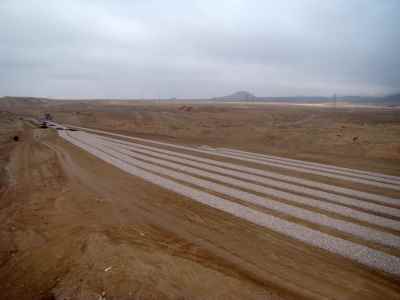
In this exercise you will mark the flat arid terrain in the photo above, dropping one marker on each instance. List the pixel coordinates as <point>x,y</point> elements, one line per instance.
<point>198,200</point>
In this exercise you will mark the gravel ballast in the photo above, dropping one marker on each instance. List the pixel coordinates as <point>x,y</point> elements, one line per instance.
<point>210,166</point>
<point>291,179</point>
<point>358,252</point>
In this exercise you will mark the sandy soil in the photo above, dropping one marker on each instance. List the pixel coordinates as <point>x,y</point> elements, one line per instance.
<point>67,232</point>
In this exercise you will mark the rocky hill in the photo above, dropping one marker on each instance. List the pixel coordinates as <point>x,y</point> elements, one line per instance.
<point>239,96</point>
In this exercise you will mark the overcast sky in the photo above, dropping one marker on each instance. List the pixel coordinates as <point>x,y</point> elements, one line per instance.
<point>205,48</point>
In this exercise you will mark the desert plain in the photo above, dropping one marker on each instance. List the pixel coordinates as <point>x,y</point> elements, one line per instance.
<point>76,227</point>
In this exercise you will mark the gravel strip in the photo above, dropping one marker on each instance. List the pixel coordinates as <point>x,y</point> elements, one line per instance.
<point>316,218</point>
<point>287,166</point>
<point>381,182</point>
<point>296,180</point>
<point>176,157</point>
<point>362,254</point>
<point>319,166</point>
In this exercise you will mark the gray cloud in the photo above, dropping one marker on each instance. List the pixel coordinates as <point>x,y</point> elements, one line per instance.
<point>205,48</point>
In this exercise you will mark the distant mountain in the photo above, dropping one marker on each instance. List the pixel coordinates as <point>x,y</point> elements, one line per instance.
<point>392,99</point>
<point>239,96</point>
<point>247,96</point>
<point>30,103</point>
<point>389,100</point>
<point>296,99</point>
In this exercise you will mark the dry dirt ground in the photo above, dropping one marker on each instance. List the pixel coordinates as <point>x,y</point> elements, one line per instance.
<point>74,227</point>
<point>364,138</point>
